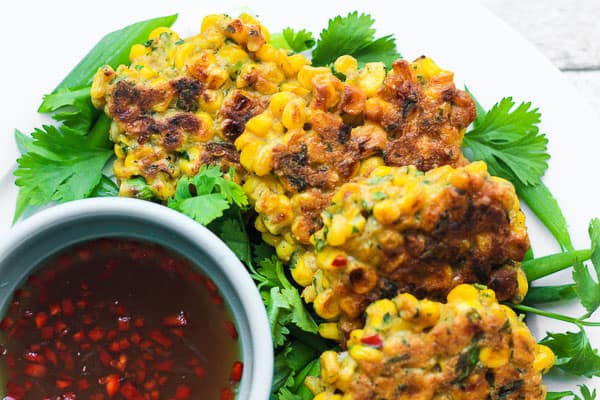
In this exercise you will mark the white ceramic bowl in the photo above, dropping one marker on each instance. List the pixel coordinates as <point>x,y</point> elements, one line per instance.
<point>51,230</point>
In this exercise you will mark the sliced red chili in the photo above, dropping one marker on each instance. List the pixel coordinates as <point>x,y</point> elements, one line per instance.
<point>373,341</point>
<point>236,371</point>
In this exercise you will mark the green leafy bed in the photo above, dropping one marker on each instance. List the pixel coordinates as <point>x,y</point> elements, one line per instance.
<point>66,161</point>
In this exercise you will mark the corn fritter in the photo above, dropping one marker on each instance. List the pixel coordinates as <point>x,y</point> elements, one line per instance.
<point>182,102</point>
<point>401,230</point>
<point>468,348</point>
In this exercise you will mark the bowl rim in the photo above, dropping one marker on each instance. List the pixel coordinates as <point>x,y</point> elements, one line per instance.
<point>259,335</point>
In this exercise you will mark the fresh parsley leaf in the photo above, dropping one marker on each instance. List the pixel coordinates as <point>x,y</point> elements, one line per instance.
<point>105,188</point>
<point>297,41</point>
<point>284,304</point>
<point>508,139</point>
<point>277,306</point>
<point>380,50</point>
<point>585,392</point>
<point>353,35</point>
<point>298,313</point>
<point>547,294</point>
<point>233,233</point>
<point>27,143</point>
<point>574,353</point>
<point>205,196</point>
<point>293,363</point>
<point>586,287</point>
<point>60,166</point>
<point>72,107</point>
<point>503,131</point>
<point>204,208</point>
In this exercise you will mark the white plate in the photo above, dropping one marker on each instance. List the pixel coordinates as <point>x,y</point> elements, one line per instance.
<point>42,41</point>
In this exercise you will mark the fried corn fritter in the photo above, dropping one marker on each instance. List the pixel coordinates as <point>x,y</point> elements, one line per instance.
<point>469,348</point>
<point>401,230</point>
<point>182,103</point>
<point>309,142</point>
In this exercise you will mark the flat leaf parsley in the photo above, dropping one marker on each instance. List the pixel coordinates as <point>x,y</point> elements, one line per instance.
<point>508,139</point>
<point>59,166</point>
<point>206,195</point>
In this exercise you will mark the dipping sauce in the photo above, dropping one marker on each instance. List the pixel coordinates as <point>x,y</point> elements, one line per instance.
<point>119,319</point>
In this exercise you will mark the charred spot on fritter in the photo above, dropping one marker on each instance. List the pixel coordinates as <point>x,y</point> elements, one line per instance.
<point>221,153</point>
<point>176,128</point>
<point>238,108</point>
<point>413,149</point>
<point>321,158</point>
<point>187,91</point>
<point>130,101</point>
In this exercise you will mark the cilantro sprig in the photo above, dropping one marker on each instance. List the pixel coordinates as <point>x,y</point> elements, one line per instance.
<point>509,141</point>
<point>574,353</point>
<point>207,194</point>
<point>297,41</point>
<point>58,166</point>
<point>586,394</point>
<point>352,35</point>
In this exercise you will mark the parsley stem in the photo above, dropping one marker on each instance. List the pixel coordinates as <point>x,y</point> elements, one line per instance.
<point>539,198</point>
<point>98,135</point>
<point>559,317</point>
<point>542,266</point>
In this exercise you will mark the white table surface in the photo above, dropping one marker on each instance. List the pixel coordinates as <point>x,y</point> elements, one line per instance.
<point>567,32</point>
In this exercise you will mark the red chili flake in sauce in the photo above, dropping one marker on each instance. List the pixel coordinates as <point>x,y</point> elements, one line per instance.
<point>119,319</point>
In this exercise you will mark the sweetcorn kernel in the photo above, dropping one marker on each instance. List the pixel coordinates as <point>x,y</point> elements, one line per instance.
<point>376,312</point>
<point>210,21</point>
<point>137,50</point>
<point>365,353</point>
<point>329,330</point>
<point>346,65</point>
<point>293,115</point>
<point>426,67</point>
<point>326,305</point>
<point>544,358</point>
<point>387,211</point>
<point>156,33</point>
<point>279,101</point>
<point>371,78</point>
<point>304,269</point>
<point>306,75</point>
<point>339,230</point>
<point>260,124</point>
<point>494,358</point>
<point>182,53</point>
<point>330,366</point>
<point>262,164</point>
<point>464,293</point>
